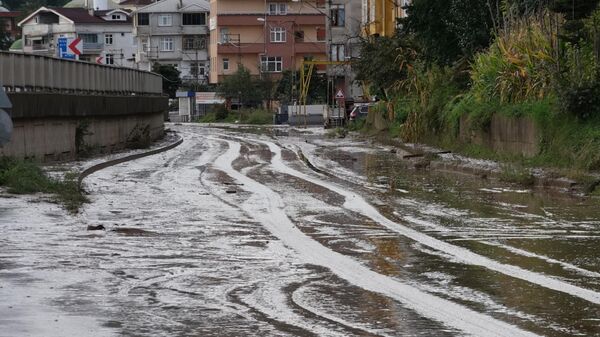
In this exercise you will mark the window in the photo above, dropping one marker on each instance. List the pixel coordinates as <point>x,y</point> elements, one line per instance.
<point>271,64</point>
<point>193,42</point>
<point>338,15</point>
<point>277,34</point>
<point>225,64</point>
<point>277,8</point>
<point>89,38</point>
<point>194,19</point>
<point>165,20</point>
<point>109,59</point>
<point>166,44</point>
<point>145,44</point>
<point>197,69</point>
<point>116,17</point>
<point>143,19</point>
<point>338,52</point>
<point>299,36</point>
<point>224,35</point>
<point>321,34</point>
<point>108,39</point>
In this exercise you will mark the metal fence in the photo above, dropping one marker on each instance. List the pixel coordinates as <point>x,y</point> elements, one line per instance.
<point>26,72</point>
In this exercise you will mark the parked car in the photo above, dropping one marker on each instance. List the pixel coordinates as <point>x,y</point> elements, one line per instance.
<point>360,110</point>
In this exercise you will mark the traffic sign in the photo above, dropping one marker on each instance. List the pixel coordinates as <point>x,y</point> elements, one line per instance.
<point>340,94</point>
<point>76,46</point>
<point>64,51</point>
<point>99,59</point>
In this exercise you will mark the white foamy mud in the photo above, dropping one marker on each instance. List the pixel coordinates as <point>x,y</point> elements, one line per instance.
<point>231,234</point>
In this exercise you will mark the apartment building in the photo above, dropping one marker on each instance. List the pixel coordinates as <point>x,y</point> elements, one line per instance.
<point>379,17</point>
<point>106,33</point>
<point>265,36</point>
<point>174,32</point>
<point>344,31</point>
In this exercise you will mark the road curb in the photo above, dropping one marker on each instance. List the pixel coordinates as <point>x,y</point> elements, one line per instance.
<point>113,162</point>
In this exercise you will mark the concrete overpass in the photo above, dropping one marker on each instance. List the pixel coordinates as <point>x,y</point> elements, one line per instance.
<point>62,108</point>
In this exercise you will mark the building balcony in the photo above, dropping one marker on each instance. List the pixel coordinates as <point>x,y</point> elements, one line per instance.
<point>242,48</point>
<point>252,19</point>
<point>40,47</point>
<point>288,48</point>
<point>89,47</point>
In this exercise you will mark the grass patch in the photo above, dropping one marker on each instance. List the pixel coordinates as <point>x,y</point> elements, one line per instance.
<point>517,175</point>
<point>337,133</point>
<point>357,124</point>
<point>26,177</point>
<point>245,116</point>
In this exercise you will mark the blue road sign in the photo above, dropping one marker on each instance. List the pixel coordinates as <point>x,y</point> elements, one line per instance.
<point>63,49</point>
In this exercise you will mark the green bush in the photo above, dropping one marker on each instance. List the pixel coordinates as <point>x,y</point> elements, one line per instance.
<point>26,177</point>
<point>257,117</point>
<point>519,66</point>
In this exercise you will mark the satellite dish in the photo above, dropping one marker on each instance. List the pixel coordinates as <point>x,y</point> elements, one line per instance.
<point>6,127</point>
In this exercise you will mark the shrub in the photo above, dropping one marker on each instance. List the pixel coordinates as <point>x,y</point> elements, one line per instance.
<point>428,91</point>
<point>26,177</point>
<point>257,117</point>
<point>519,66</point>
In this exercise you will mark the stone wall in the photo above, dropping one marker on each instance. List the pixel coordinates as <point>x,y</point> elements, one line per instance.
<point>513,135</point>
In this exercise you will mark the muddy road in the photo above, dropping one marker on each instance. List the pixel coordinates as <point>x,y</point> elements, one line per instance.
<point>232,234</point>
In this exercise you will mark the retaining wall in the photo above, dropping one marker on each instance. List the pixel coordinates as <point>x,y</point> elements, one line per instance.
<point>514,135</point>
<point>46,125</point>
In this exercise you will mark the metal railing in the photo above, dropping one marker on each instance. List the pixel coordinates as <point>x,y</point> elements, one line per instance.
<point>26,72</point>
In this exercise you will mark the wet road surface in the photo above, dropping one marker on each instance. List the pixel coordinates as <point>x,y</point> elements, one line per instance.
<point>231,234</point>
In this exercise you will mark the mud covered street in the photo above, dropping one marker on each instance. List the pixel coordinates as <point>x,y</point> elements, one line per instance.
<point>232,234</point>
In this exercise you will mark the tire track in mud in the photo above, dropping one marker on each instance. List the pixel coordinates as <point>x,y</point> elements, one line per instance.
<point>267,207</point>
<point>358,204</point>
<point>565,265</point>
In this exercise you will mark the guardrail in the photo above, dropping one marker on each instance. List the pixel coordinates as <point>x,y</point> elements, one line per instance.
<point>26,72</point>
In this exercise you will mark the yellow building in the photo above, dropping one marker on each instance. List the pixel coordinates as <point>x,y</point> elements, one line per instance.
<point>379,17</point>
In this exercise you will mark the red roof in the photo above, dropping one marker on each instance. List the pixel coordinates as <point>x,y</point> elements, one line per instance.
<point>82,15</point>
<point>137,2</point>
<point>9,14</point>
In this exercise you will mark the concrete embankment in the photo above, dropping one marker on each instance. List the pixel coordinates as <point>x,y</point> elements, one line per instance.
<point>52,127</point>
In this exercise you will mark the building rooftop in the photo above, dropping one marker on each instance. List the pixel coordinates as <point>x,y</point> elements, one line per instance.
<point>136,2</point>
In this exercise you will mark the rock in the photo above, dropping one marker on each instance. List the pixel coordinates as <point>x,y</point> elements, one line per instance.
<point>95,228</point>
<point>381,180</point>
<point>393,151</point>
<point>422,164</point>
<point>132,231</point>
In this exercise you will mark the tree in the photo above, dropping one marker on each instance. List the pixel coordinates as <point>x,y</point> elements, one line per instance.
<point>170,77</point>
<point>32,4</point>
<point>574,12</point>
<point>448,30</point>
<point>383,61</point>
<point>242,86</point>
<point>6,39</point>
<point>288,88</point>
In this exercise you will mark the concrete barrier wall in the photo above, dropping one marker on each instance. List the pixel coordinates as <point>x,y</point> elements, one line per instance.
<point>45,125</point>
<point>514,135</point>
<point>54,139</point>
<point>44,105</point>
<point>27,72</point>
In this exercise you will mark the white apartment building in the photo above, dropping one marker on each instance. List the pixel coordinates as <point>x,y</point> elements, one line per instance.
<point>107,34</point>
<point>174,32</point>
